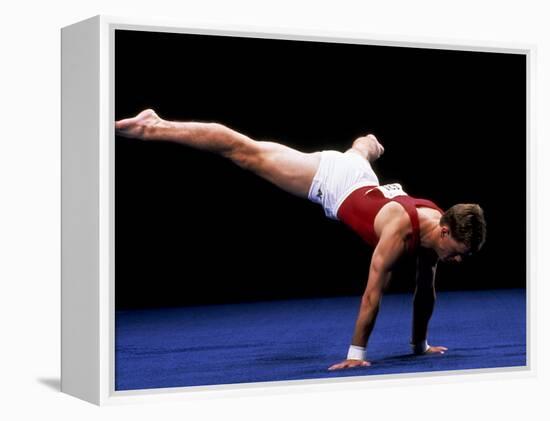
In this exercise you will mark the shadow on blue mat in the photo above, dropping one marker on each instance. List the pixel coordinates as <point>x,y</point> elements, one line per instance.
<point>300,339</point>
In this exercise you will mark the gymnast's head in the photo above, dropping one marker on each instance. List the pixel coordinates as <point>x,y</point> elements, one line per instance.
<point>463,231</point>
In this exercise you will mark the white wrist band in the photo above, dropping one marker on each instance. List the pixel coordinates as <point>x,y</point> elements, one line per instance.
<point>357,353</point>
<point>421,347</point>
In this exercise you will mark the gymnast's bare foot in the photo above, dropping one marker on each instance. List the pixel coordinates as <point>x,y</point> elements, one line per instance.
<point>142,126</point>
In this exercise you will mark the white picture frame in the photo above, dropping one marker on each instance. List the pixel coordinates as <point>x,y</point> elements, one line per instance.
<point>88,212</point>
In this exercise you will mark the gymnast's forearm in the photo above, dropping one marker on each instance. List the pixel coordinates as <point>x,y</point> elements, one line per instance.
<point>423,306</point>
<point>366,319</point>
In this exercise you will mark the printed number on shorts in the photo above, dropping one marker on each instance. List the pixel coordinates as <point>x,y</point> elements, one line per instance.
<point>392,190</point>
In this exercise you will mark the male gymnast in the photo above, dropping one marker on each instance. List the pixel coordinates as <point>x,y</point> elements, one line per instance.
<point>347,188</point>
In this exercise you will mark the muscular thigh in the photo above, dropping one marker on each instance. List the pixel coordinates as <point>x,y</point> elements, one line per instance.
<point>287,168</point>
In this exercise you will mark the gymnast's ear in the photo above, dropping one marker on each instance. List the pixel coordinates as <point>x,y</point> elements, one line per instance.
<point>444,231</point>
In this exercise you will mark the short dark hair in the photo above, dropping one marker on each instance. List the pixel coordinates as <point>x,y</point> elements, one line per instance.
<point>467,224</point>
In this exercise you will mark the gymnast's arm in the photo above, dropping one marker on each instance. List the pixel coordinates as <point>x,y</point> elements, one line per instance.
<point>390,248</point>
<point>423,305</point>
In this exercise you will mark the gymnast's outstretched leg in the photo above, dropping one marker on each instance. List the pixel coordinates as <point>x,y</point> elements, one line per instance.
<point>287,168</point>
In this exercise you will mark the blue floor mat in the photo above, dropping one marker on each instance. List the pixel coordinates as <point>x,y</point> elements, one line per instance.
<point>300,339</point>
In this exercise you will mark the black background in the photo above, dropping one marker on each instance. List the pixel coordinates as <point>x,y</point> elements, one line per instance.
<point>192,228</point>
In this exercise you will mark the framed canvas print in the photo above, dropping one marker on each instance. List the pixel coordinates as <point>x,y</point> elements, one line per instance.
<point>244,209</point>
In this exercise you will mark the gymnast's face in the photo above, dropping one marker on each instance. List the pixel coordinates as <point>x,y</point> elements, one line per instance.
<point>450,250</point>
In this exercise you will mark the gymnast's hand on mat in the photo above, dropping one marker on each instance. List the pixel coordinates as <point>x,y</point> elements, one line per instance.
<point>435,350</point>
<point>349,364</point>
